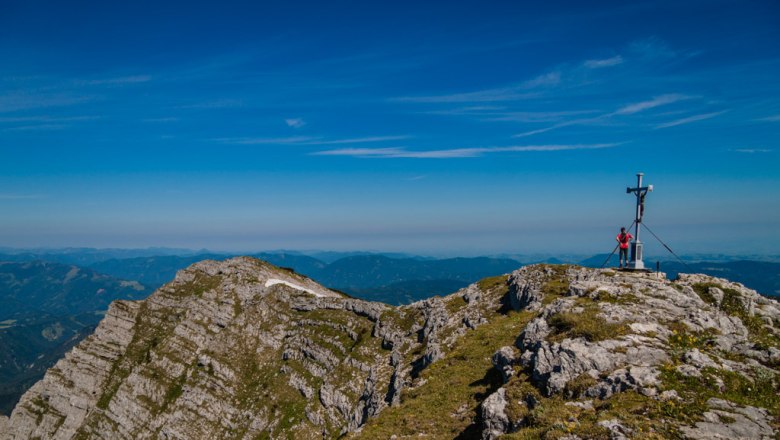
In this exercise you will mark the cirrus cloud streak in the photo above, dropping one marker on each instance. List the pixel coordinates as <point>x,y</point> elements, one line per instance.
<point>401,152</point>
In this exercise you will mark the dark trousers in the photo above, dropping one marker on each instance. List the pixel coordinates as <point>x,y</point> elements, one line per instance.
<point>623,254</point>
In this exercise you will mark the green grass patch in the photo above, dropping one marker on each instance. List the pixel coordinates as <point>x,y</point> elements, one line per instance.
<point>552,418</point>
<point>455,304</point>
<point>557,284</point>
<point>201,284</point>
<point>577,386</point>
<point>683,339</point>
<point>174,391</point>
<point>623,299</point>
<point>446,405</point>
<point>404,318</point>
<point>549,418</point>
<point>732,303</point>
<point>491,283</point>
<point>588,324</point>
<point>703,290</point>
<point>762,391</point>
<point>556,287</point>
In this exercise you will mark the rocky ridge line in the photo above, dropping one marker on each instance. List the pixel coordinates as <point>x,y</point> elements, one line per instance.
<point>219,353</point>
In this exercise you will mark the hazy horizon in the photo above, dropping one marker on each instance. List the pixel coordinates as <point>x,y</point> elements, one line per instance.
<point>654,252</point>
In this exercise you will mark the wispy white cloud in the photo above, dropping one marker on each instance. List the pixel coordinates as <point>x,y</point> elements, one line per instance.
<point>47,119</point>
<point>308,140</point>
<point>547,79</point>
<point>415,178</point>
<point>629,109</point>
<point>537,116</point>
<point>607,62</point>
<point>581,121</point>
<point>399,152</point>
<point>752,150</point>
<point>652,103</point>
<point>360,140</point>
<point>295,122</point>
<point>773,118</point>
<point>361,152</point>
<point>511,93</point>
<point>690,119</point>
<point>488,95</point>
<point>36,127</point>
<point>122,80</point>
<point>472,110</point>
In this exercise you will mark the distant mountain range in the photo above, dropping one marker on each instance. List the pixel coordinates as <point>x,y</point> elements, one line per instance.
<point>87,256</point>
<point>46,309</point>
<point>375,275</point>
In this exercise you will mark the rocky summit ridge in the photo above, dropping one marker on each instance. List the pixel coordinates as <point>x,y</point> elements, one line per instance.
<point>243,349</point>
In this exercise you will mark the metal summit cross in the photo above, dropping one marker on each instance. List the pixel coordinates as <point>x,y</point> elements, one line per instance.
<point>636,262</point>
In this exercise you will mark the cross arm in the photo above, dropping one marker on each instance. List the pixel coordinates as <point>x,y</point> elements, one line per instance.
<point>644,188</point>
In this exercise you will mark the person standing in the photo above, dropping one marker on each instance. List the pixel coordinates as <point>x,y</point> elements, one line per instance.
<point>623,239</point>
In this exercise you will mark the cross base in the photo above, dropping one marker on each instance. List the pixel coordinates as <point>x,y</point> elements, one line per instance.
<point>636,262</point>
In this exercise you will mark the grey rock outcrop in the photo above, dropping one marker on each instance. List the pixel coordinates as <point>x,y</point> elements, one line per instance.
<point>525,288</point>
<point>599,333</point>
<point>726,420</point>
<point>503,360</point>
<point>495,420</point>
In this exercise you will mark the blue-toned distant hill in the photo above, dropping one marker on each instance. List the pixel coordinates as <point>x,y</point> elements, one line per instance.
<point>407,292</point>
<point>46,308</point>
<point>87,256</point>
<point>353,274</point>
<point>38,287</point>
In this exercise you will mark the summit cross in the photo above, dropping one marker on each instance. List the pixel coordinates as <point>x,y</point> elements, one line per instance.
<point>640,191</point>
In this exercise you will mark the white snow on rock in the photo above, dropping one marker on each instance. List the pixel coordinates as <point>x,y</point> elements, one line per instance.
<point>274,281</point>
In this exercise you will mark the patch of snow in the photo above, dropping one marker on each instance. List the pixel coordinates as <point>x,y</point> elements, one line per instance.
<point>274,281</point>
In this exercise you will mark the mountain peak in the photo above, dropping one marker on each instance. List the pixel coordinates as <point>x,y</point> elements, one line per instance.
<point>242,348</point>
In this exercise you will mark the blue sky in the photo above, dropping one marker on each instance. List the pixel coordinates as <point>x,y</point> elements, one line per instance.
<point>439,128</point>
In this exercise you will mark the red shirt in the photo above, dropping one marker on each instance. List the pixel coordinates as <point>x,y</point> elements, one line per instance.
<point>624,242</point>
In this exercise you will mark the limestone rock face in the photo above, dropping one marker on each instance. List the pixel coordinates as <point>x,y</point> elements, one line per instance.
<point>228,347</point>
<point>494,417</point>
<point>600,333</point>
<point>726,420</point>
<point>243,349</point>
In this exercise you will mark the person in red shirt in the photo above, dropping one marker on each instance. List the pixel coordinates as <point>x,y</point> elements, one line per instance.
<point>623,239</point>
